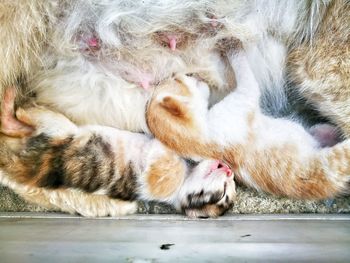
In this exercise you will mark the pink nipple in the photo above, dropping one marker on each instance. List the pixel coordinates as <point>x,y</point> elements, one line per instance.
<point>145,84</point>
<point>93,42</point>
<point>172,42</point>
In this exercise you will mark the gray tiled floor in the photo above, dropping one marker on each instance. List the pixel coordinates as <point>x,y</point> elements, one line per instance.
<point>62,238</point>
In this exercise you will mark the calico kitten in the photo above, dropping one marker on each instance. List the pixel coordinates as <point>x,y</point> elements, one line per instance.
<point>273,155</point>
<point>107,161</point>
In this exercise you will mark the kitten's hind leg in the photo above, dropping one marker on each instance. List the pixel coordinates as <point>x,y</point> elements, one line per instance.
<point>232,118</point>
<point>70,200</point>
<point>245,98</point>
<point>245,79</point>
<point>246,82</point>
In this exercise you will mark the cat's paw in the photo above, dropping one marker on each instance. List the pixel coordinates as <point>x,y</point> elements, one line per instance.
<point>327,135</point>
<point>193,86</point>
<point>75,201</point>
<point>45,121</point>
<point>103,206</point>
<point>208,191</point>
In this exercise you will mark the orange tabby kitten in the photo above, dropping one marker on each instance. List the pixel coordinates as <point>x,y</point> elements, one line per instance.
<point>273,155</point>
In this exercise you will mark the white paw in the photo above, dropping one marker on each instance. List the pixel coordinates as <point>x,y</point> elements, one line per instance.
<point>104,206</point>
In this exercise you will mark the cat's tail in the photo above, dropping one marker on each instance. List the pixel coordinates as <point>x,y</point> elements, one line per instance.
<point>324,174</point>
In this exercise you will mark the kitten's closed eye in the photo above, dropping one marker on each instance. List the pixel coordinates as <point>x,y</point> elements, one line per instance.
<point>191,163</point>
<point>196,75</point>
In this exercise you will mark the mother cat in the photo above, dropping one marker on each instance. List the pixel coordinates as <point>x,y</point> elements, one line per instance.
<point>66,53</point>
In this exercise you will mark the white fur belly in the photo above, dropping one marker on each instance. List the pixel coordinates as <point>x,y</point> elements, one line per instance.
<point>89,94</point>
<point>279,132</point>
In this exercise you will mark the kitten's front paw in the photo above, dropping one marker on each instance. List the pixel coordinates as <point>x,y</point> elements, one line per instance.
<point>209,191</point>
<point>46,121</point>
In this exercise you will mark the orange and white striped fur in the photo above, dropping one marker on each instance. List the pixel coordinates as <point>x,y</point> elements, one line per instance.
<point>119,164</point>
<point>269,154</point>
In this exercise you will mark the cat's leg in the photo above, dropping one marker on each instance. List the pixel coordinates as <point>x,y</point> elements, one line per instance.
<point>321,71</point>
<point>323,79</point>
<point>69,200</point>
<point>230,119</point>
<point>327,135</point>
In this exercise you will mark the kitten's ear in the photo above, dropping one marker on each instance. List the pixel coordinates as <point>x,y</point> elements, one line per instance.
<point>174,107</point>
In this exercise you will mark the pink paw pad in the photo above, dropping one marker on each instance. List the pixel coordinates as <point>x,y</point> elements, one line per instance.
<point>327,135</point>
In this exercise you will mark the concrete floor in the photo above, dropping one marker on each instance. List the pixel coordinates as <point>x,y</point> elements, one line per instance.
<point>30,237</point>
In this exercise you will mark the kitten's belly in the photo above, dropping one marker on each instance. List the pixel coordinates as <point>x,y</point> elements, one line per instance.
<point>90,95</point>
<point>279,132</point>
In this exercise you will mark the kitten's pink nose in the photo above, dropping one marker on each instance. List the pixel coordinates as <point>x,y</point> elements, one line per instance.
<point>222,166</point>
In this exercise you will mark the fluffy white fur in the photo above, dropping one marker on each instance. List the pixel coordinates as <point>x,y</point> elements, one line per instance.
<point>104,87</point>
